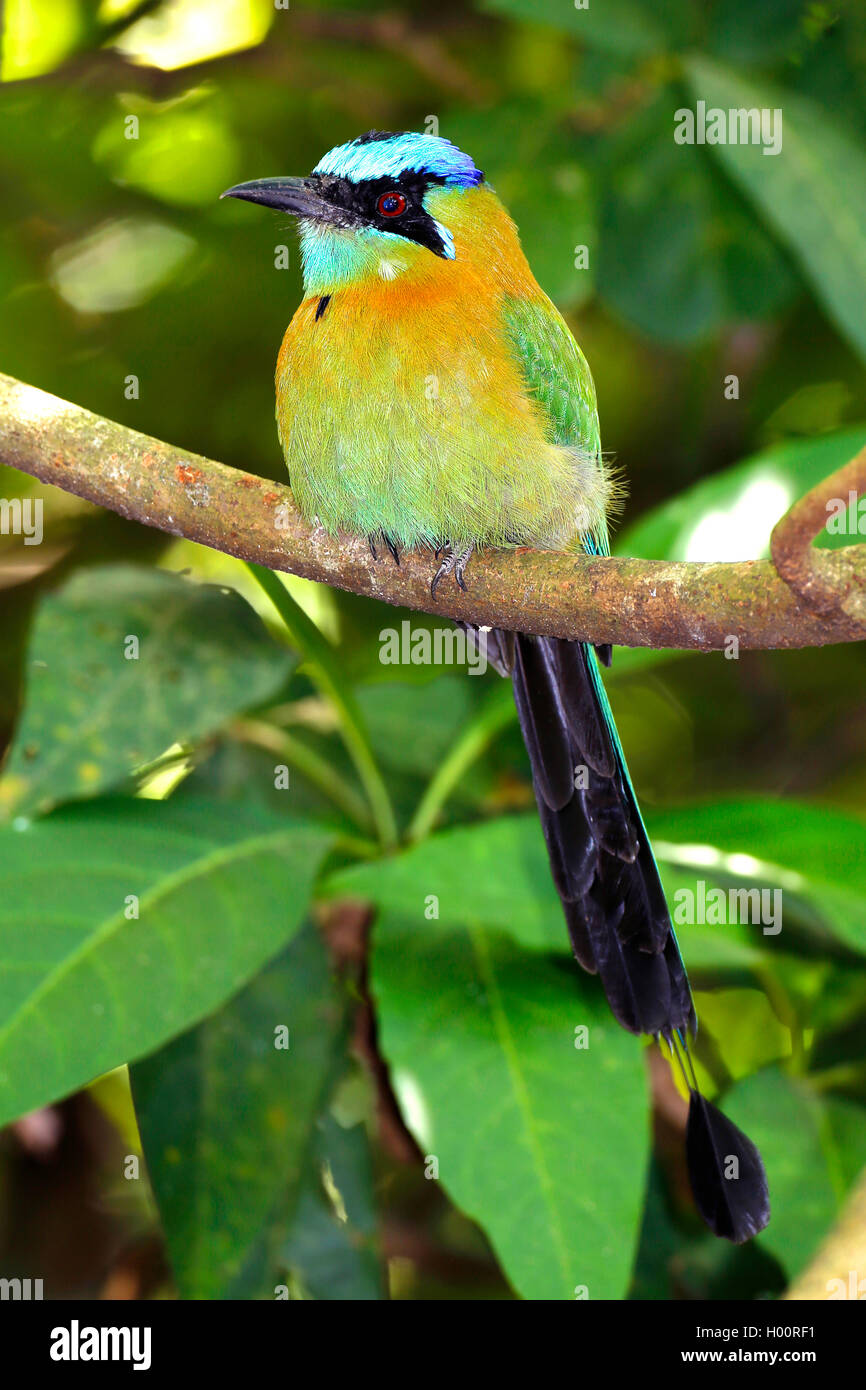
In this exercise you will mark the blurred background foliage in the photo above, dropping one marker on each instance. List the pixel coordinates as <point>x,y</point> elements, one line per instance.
<point>117,261</point>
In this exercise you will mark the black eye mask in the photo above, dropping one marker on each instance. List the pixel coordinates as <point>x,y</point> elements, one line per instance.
<point>356,204</point>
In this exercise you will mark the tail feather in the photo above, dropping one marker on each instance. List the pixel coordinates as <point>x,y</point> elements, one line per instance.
<point>726,1173</point>
<point>608,817</point>
<point>573,854</point>
<point>637,983</point>
<point>599,851</point>
<point>681,994</point>
<point>580,937</point>
<point>591,734</point>
<point>615,909</point>
<point>543,721</point>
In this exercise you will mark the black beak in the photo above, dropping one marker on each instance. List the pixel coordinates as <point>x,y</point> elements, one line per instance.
<point>297,196</point>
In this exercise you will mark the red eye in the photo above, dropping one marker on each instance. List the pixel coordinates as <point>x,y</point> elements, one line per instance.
<point>391,204</point>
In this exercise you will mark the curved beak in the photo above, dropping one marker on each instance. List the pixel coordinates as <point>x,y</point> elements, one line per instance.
<point>297,196</point>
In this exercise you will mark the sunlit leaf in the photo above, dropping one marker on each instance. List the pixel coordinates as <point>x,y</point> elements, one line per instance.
<point>814,855</point>
<point>119,264</point>
<point>746,1030</point>
<point>191,31</point>
<point>730,515</point>
<point>36,35</point>
<point>182,151</point>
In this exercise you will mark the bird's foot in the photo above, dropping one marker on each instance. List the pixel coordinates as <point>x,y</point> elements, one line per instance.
<point>454,563</point>
<point>392,548</point>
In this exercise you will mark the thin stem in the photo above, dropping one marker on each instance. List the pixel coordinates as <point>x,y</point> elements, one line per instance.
<point>785,1010</point>
<point>319,655</point>
<point>495,714</point>
<point>311,764</point>
<point>361,849</point>
<point>844,1074</point>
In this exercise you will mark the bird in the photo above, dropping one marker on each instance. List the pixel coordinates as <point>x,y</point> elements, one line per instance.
<point>431,396</point>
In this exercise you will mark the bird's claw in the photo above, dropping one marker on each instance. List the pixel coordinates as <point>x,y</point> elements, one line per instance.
<point>392,548</point>
<point>453,563</point>
<point>460,568</point>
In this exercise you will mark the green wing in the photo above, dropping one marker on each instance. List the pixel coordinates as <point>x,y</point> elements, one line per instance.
<point>558,376</point>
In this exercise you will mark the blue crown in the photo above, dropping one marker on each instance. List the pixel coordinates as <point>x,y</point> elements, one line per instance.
<point>385,154</point>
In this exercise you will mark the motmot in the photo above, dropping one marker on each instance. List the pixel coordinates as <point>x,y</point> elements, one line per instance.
<point>430,395</point>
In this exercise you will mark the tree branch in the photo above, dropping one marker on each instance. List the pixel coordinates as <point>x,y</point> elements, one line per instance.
<point>628,602</point>
<point>796,559</point>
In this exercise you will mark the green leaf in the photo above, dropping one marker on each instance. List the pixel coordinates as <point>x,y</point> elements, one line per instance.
<point>84,986</point>
<point>185,152</point>
<point>812,194</point>
<point>816,855</point>
<point>228,1119</point>
<point>744,32</point>
<point>94,709</point>
<point>730,516</point>
<point>847,1138</point>
<point>543,1144</point>
<point>806,1156</point>
<point>622,27</point>
<point>679,256</point>
<point>331,1247</point>
<point>731,949</point>
<point>745,1028</point>
<point>412,726</point>
<point>38,36</point>
<point>328,674</point>
<point>495,872</point>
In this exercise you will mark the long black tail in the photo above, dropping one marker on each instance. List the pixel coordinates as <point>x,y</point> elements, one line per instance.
<point>615,909</point>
